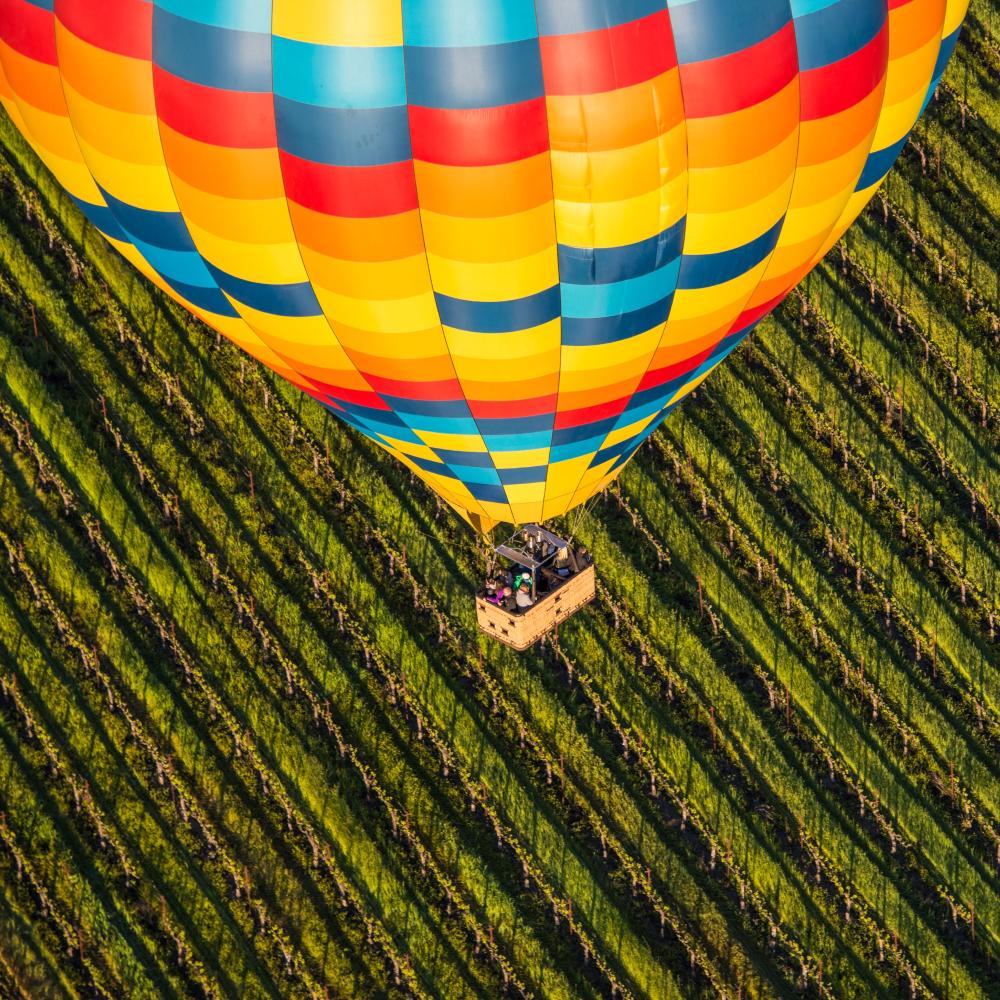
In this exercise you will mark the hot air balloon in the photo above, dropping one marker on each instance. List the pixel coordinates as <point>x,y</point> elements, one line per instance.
<point>501,238</point>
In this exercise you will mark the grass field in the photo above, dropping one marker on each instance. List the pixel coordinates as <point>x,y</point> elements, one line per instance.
<point>252,744</point>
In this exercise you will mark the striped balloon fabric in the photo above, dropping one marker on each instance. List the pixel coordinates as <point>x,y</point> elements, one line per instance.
<point>502,238</point>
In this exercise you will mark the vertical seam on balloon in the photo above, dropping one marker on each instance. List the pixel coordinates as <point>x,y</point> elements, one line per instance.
<point>815,261</point>
<point>69,116</point>
<point>25,127</point>
<point>430,276</point>
<point>555,230</point>
<point>658,417</point>
<point>680,256</point>
<point>170,176</point>
<point>791,186</point>
<point>291,225</point>
<point>663,326</point>
<point>829,229</point>
<point>913,124</point>
<point>183,300</point>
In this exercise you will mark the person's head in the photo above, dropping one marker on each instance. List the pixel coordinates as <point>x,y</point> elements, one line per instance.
<point>507,591</point>
<point>524,588</point>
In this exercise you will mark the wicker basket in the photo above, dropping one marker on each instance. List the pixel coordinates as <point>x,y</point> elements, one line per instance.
<point>523,629</point>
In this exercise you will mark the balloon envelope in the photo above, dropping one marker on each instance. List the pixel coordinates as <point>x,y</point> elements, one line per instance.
<point>502,238</point>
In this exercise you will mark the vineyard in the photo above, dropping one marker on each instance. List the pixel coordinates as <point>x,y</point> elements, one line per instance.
<point>253,745</point>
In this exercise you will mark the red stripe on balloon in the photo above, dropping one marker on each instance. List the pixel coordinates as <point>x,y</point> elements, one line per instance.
<point>742,79</point>
<point>828,90</point>
<point>500,409</point>
<point>350,192</point>
<point>479,137</point>
<point>757,312</point>
<point>217,117</point>
<point>128,33</point>
<point>28,29</point>
<point>660,376</point>
<point>445,389</point>
<point>353,397</point>
<point>594,62</point>
<point>590,414</point>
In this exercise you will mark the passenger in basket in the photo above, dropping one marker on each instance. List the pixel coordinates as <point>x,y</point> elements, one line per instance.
<point>509,601</point>
<point>524,600</point>
<point>561,563</point>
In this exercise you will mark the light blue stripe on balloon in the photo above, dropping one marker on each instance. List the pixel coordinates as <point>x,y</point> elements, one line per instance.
<point>242,15</point>
<point>619,297</point>
<point>800,8</point>
<point>335,76</point>
<point>466,23</point>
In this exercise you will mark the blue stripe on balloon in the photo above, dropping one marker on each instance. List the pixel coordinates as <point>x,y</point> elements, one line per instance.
<point>166,230</point>
<point>537,428</point>
<point>610,329</point>
<point>565,436</point>
<point>102,218</point>
<point>705,270</point>
<point>469,472</point>
<point>499,317</point>
<point>175,265</point>
<point>429,465</point>
<point>337,76</point>
<point>570,447</point>
<point>879,163</point>
<point>488,76</point>
<point>480,459</point>
<point>514,441</point>
<point>583,265</point>
<point>343,137</point>
<point>297,299</point>
<point>445,408</point>
<point>569,17</point>
<point>210,298</point>
<point>834,33</point>
<point>221,58</point>
<point>710,29</point>
<point>476,475</point>
<point>487,492</point>
<point>523,476</point>
<point>429,423</point>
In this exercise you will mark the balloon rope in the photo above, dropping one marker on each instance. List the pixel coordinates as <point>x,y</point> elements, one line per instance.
<point>582,513</point>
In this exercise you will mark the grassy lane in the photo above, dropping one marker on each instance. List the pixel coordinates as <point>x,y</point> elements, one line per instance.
<point>778,768</point>
<point>949,730</point>
<point>840,731</point>
<point>173,584</point>
<point>816,486</point>
<point>39,973</point>
<point>963,537</point>
<point>964,647</point>
<point>90,739</point>
<point>924,403</point>
<point>155,696</point>
<point>74,880</point>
